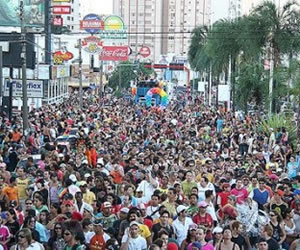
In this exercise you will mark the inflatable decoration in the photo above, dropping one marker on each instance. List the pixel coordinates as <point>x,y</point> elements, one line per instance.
<point>158,91</point>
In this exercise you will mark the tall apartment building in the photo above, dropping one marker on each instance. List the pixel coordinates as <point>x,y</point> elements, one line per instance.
<point>71,21</point>
<point>164,26</point>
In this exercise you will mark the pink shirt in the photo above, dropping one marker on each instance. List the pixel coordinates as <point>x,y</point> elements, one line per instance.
<point>4,234</point>
<point>241,194</point>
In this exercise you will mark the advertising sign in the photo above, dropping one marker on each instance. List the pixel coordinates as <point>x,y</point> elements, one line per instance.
<point>92,45</point>
<point>33,13</point>
<point>62,56</point>
<point>114,28</point>
<point>92,23</point>
<point>145,51</point>
<point>61,10</point>
<point>34,88</point>
<point>60,71</point>
<point>58,21</point>
<point>114,53</point>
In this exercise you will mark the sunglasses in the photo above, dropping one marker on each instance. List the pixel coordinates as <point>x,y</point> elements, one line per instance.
<point>21,236</point>
<point>29,203</point>
<point>57,228</point>
<point>273,215</point>
<point>67,234</point>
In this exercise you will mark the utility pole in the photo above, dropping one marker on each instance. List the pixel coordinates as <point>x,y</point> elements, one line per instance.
<point>47,28</point>
<point>120,79</point>
<point>101,80</point>
<point>24,76</point>
<point>80,73</point>
<point>271,80</point>
<point>1,79</point>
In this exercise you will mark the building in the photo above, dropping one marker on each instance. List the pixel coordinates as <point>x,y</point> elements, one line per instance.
<point>163,26</point>
<point>226,9</point>
<point>72,20</point>
<point>249,5</point>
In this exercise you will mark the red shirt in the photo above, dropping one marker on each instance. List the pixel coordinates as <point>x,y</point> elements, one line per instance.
<point>206,220</point>
<point>97,243</point>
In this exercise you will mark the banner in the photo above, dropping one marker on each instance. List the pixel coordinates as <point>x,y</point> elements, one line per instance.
<point>92,45</point>
<point>114,53</point>
<point>34,88</point>
<point>33,13</point>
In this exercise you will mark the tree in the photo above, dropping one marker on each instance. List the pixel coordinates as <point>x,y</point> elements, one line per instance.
<point>275,33</point>
<point>126,72</point>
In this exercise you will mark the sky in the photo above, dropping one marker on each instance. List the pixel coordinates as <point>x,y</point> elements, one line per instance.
<point>105,6</point>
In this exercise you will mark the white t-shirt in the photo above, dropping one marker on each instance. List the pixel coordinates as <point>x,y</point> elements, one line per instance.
<point>180,229</point>
<point>147,188</point>
<point>135,243</point>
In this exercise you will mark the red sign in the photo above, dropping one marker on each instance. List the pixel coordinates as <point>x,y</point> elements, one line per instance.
<point>58,21</point>
<point>145,51</point>
<point>61,10</point>
<point>91,24</point>
<point>114,53</point>
<point>62,56</point>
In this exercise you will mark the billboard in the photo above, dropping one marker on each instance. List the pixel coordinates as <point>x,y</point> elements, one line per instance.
<point>34,88</point>
<point>34,13</point>
<point>114,53</point>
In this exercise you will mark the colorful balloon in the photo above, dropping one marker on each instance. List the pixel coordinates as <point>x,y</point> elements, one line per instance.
<point>163,97</point>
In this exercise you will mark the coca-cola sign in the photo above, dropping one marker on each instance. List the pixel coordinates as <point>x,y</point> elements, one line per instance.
<point>114,53</point>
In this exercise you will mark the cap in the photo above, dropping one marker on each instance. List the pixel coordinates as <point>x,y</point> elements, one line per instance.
<point>203,204</point>
<point>195,245</point>
<point>85,162</point>
<point>193,227</point>
<point>88,208</point>
<point>77,216</point>
<point>225,185</point>
<point>279,192</point>
<point>180,208</point>
<point>82,183</point>
<point>73,178</point>
<point>60,155</point>
<point>133,223</point>
<point>124,210</point>
<point>296,192</point>
<point>217,230</point>
<point>2,164</point>
<point>87,175</point>
<point>68,202</point>
<point>172,246</point>
<point>98,223</point>
<point>106,204</point>
<point>62,165</point>
<point>284,176</point>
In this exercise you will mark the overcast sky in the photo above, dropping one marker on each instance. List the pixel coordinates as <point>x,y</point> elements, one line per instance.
<point>105,6</point>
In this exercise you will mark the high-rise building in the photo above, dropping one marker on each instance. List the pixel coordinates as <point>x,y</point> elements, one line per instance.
<point>163,26</point>
<point>71,21</point>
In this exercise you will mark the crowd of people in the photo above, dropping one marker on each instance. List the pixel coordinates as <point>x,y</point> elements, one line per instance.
<point>117,175</point>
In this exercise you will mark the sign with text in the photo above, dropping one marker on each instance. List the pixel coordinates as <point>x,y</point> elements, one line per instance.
<point>61,10</point>
<point>60,71</point>
<point>62,56</point>
<point>92,45</point>
<point>145,51</point>
<point>114,53</point>
<point>34,88</point>
<point>92,24</point>
<point>58,21</point>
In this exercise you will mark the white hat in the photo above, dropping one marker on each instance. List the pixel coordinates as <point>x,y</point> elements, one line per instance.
<point>73,178</point>
<point>124,210</point>
<point>133,223</point>
<point>85,162</point>
<point>181,208</point>
<point>88,208</point>
<point>87,175</point>
<point>217,230</point>
<point>100,161</point>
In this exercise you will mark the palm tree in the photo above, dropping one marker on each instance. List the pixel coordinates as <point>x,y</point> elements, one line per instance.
<point>274,33</point>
